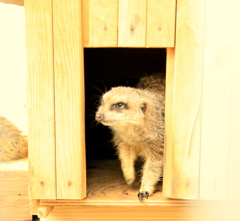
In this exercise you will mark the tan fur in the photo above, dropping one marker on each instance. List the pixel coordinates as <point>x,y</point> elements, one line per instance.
<point>13,145</point>
<point>138,128</point>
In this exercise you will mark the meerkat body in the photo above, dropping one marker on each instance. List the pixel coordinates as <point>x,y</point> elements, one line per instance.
<point>13,145</point>
<point>136,118</point>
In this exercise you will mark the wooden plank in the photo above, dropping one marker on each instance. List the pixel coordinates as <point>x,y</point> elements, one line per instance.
<point>34,205</point>
<point>14,2</point>
<point>220,116</point>
<point>220,212</point>
<point>14,201</point>
<point>169,123</point>
<point>132,23</point>
<point>69,97</point>
<point>39,40</point>
<point>44,211</point>
<point>100,22</point>
<point>103,213</point>
<point>160,23</point>
<point>234,162</point>
<point>186,103</point>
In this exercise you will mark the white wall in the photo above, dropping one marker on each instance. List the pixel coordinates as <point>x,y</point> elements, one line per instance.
<point>13,74</point>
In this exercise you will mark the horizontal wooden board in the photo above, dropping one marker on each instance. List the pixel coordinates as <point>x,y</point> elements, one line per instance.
<point>157,213</point>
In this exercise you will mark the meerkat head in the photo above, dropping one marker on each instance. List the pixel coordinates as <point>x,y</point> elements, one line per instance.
<point>122,106</point>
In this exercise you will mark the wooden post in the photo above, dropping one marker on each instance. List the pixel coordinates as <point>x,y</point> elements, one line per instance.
<point>69,97</point>
<point>41,137</point>
<point>44,211</point>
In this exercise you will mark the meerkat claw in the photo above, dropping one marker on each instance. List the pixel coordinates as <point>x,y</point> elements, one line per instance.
<point>141,196</point>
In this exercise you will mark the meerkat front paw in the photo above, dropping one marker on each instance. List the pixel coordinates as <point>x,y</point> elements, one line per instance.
<point>145,193</point>
<point>142,195</point>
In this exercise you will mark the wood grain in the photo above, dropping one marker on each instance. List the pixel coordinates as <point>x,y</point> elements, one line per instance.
<point>106,186</point>
<point>220,115</point>
<point>100,22</point>
<point>234,152</point>
<point>34,205</point>
<point>160,213</point>
<point>109,198</point>
<point>160,23</point>
<point>14,202</point>
<point>169,123</point>
<point>69,100</point>
<point>182,155</point>
<point>14,2</point>
<point>41,139</point>
<point>132,23</point>
<point>44,211</point>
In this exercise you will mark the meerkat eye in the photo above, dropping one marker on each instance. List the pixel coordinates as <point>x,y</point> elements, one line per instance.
<point>119,105</point>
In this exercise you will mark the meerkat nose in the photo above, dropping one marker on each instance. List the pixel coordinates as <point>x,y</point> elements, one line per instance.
<point>99,117</point>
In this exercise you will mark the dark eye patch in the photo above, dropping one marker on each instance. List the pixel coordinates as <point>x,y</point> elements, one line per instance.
<point>119,106</point>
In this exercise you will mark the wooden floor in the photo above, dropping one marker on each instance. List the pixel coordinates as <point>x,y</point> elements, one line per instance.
<point>14,202</point>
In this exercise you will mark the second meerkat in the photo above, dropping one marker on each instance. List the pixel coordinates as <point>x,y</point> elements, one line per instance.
<point>136,118</point>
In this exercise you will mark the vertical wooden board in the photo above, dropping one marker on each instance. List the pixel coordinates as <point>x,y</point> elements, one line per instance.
<point>132,23</point>
<point>100,21</point>
<point>234,162</point>
<point>40,99</point>
<point>69,96</point>
<point>186,103</point>
<point>217,98</point>
<point>160,23</point>
<point>168,122</point>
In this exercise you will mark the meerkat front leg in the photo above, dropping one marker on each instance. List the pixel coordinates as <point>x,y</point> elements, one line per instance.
<point>127,157</point>
<point>152,171</point>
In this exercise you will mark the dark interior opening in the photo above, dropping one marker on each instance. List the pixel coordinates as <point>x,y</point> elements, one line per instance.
<point>111,67</point>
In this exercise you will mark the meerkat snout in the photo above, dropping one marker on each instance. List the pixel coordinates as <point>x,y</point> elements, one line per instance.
<point>99,117</point>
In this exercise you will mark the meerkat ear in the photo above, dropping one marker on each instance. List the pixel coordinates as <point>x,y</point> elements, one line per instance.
<point>143,107</point>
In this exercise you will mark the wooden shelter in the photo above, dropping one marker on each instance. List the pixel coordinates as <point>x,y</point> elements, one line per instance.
<point>202,106</point>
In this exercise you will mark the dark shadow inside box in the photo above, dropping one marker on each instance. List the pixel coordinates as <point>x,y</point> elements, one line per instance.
<point>106,68</point>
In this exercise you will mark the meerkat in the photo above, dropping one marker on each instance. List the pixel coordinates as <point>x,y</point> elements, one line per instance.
<point>136,118</point>
<point>13,144</point>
